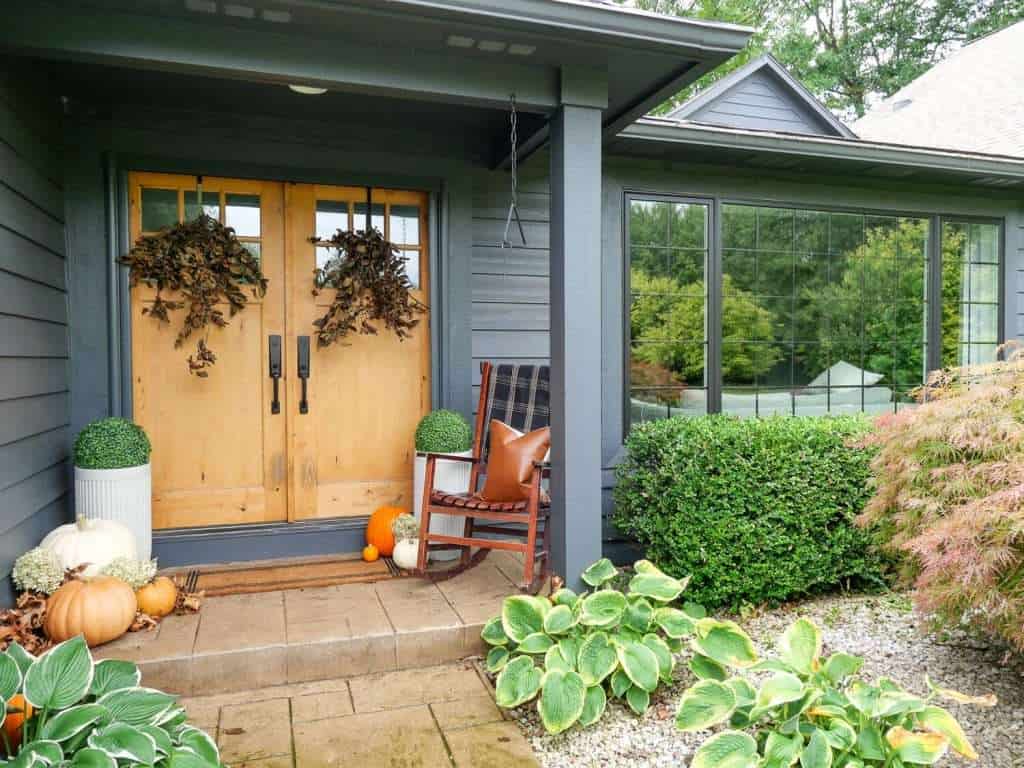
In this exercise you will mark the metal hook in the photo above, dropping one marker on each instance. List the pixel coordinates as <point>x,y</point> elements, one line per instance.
<point>513,208</point>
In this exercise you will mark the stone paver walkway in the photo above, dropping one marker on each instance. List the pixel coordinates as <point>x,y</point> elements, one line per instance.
<point>435,717</point>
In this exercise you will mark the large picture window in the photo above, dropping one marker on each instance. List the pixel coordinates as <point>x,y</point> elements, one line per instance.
<point>819,311</point>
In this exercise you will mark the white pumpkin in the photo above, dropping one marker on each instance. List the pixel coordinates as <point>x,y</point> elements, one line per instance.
<point>95,542</point>
<point>406,554</point>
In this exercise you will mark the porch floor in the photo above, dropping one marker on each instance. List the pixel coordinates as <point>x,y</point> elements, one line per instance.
<point>255,641</point>
<point>438,717</point>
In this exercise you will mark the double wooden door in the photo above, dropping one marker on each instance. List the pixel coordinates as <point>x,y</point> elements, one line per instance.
<point>222,454</point>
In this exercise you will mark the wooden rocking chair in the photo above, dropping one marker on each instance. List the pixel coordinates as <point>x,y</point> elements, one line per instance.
<point>518,395</point>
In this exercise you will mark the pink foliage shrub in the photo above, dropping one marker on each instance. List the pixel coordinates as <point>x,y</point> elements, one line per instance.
<point>949,496</point>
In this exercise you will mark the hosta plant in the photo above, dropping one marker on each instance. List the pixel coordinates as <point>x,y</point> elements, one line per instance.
<point>813,711</point>
<point>571,652</point>
<point>84,715</point>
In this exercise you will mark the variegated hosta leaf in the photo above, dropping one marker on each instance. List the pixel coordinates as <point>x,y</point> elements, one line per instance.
<point>782,751</point>
<point>60,677</point>
<point>600,572</point>
<point>597,658</point>
<point>695,611</point>
<point>493,632</point>
<point>817,753</point>
<point>666,662</point>
<point>707,669</point>
<point>603,609</point>
<point>705,704</point>
<point>986,700</point>
<point>71,722</point>
<point>941,721</point>
<point>21,657</point>
<point>496,659</point>
<point>521,615</point>
<point>554,659</point>
<point>673,622</point>
<point>89,757</point>
<point>780,688</point>
<point>620,683</point>
<point>537,643</point>
<point>724,642</point>
<point>124,742</point>
<point>657,586</point>
<point>570,648</point>
<point>562,699</point>
<point>10,677</point>
<point>645,566</point>
<point>840,734</point>
<point>869,743</point>
<point>517,683</point>
<point>638,699</point>
<point>863,697</point>
<point>137,706</point>
<point>728,749</point>
<point>639,663</point>
<point>565,596</point>
<point>639,614</point>
<point>800,646</point>
<point>897,702</point>
<point>161,740</point>
<point>559,620</point>
<point>201,743</point>
<point>744,692</point>
<point>919,748</point>
<point>112,675</point>
<point>840,666</point>
<point>593,705</point>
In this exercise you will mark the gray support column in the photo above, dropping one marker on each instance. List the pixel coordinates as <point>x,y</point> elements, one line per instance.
<point>575,339</point>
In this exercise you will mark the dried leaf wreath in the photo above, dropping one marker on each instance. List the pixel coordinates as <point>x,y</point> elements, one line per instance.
<point>204,261</point>
<point>368,273</point>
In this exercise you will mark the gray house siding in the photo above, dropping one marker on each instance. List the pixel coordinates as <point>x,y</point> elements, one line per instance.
<point>34,353</point>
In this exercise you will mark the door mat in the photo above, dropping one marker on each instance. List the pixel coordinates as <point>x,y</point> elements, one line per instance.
<point>274,575</point>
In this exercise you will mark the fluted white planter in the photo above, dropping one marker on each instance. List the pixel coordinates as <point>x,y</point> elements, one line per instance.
<point>450,476</point>
<point>124,495</point>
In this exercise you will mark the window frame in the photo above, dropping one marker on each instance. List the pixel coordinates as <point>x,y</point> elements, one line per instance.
<point>713,273</point>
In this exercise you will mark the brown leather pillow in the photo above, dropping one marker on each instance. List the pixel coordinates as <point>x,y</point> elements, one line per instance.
<point>510,461</point>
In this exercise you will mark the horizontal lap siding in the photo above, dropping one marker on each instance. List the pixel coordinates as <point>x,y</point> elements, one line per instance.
<point>34,369</point>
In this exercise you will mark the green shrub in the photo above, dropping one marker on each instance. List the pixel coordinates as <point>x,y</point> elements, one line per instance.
<point>755,510</point>
<point>111,444</point>
<point>444,432</point>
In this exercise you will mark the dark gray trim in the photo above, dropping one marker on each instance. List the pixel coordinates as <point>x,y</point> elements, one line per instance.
<point>934,294</point>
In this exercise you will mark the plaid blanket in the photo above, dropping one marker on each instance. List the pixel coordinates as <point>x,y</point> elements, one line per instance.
<point>520,396</point>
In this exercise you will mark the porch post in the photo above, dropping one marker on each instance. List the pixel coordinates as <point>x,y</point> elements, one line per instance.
<point>575,339</point>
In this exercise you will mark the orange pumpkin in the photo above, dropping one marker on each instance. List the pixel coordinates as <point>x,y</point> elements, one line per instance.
<point>17,711</point>
<point>158,597</point>
<point>100,609</point>
<point>378,530</point>
<point>370,553</point>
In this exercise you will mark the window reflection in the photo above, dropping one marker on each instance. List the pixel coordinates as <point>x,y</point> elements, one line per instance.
<point>970,293</point>
<point>242,213</point>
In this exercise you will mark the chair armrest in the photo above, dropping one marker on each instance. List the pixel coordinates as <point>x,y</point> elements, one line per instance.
<point>544,467</point>
<point>448,457</point>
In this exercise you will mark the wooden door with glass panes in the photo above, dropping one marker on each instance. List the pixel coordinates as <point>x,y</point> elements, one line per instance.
<point>353,451</point>
<point>219,453</point>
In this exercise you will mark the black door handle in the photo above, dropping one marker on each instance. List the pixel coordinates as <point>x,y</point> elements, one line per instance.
<point>275,371</point>
<point>303,360</point>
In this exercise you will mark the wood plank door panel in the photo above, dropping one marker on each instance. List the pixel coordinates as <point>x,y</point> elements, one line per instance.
<point>219,455</point>
<point>353,451</point>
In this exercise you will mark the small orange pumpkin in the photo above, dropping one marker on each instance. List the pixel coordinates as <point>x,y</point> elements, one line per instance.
<point>18,710</point>
<point>158,597</point>
<point>370,553</point>
<point>378,530</point>
<point>100,609</point>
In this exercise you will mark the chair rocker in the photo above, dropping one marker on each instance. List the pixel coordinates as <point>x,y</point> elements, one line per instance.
<point>518,395</point>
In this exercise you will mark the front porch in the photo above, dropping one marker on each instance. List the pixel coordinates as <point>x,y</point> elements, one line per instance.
<point>262,640</point>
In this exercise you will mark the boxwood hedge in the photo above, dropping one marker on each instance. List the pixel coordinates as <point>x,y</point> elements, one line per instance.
<point>755,510</point>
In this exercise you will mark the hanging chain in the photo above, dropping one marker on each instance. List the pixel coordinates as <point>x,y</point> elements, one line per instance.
<point>513,209</point>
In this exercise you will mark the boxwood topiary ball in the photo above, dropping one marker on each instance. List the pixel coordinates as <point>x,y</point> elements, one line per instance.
<point>111,444</point>
<point>444,432</point>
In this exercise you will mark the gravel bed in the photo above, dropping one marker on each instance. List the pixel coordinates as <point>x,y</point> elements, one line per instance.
<point>883,630</point>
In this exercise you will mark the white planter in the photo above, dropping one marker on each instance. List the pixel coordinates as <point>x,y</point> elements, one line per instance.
<point>124,495</point>
<point>407,552</point>
<point>451,476</point>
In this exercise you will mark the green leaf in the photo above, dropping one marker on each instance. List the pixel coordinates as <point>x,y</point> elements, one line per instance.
<point>161,740</point>
<point>521,615</point>
<point>869,743</point>
<point>728,749</point>
<point>22,658</point>
<point>10,678</point>
<point>638,699</point>
<point>71,722</point>
<point>724,642</point>
<point>673,622</point>
<point>918,748</point>
<point>639,663</point>
<point>705,704</point>
<point>112,675</point>
<point>182,757</point>
<point>781,751</point>
<point>554,659</point>
<point>817,753</point>
<point>536,643</point>
<point>898,702</point>
<point>89,757</point>
<point>780,688</point>
<point>645,566</point>
<point>497,657</point>
<point>666,662</point>
<point>570,648</point>
<point>639,614</point>
<point>565,596</point>
<point>200,743</point>
<point>863,697</point>
<point>744,692</point>
<point>694,610</point>
<point>493,633</point>
<point>137,706</point>
<point>597,658</point>
<point>600,572</point>
<point>561,700</point>
<point>840,734</point>
<point>60,677</point>
<point>620,683</point>
<point>656,586</point>
<point>840,666</point>
<point>941,721</point>
<point>559,620</point>
<point>593,705</point>
<point>800,646</point>
<point>517,683</point>
<point>124,742</point>
<point>47,751</point>
<point>603,609</point>
<point>707,669</point>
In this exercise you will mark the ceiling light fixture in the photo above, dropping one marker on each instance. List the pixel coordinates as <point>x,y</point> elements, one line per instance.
<point>492,46</point>
<point>461,41</point>
<point>307,90</point>
<point>520,49</point>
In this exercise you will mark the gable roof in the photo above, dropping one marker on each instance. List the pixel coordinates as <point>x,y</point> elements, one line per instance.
<point>972,100</point>
<point>762,95</point>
